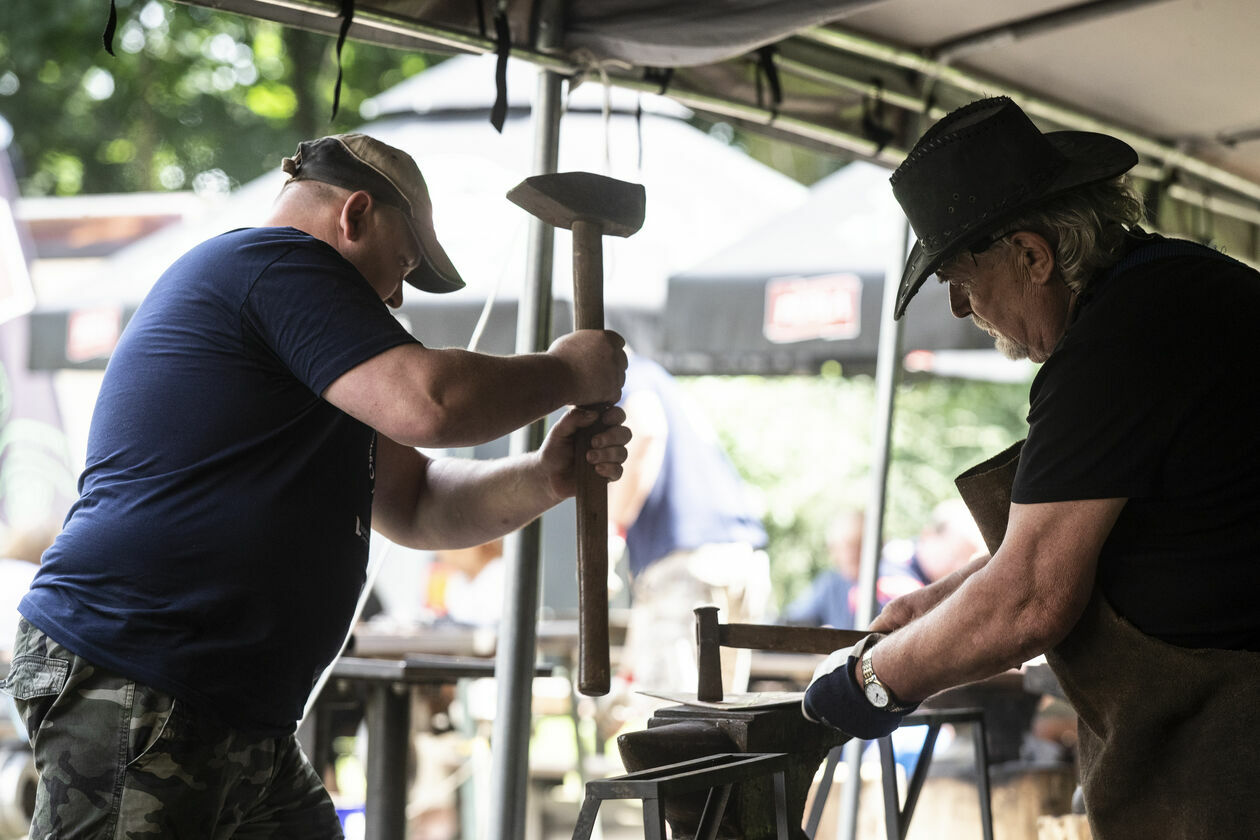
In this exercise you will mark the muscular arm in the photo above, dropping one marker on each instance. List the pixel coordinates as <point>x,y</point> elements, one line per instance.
<point>429,503</point>
<point>899,612</point>
<point>1020,603</point>
<point>445,398</point>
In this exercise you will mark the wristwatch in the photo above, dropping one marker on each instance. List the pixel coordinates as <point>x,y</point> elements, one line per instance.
<point>877,694</point>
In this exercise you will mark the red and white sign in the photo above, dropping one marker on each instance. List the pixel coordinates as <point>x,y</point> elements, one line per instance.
<point>804,308</point>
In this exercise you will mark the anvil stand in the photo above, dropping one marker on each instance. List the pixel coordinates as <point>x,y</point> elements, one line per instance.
<point>730,769</point>
<point>744,770</point>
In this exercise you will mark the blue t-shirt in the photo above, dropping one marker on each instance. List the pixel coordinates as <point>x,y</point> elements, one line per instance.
<point>699,497</point>
<point>220,540</point>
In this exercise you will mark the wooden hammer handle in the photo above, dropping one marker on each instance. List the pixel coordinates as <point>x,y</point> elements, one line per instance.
<point>592,489</point>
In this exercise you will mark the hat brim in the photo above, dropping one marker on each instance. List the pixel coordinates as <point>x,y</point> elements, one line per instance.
<point>436,273</point>
<point>1091,157</point>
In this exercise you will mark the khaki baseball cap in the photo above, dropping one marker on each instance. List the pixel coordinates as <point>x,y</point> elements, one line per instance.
<point>360,162</point>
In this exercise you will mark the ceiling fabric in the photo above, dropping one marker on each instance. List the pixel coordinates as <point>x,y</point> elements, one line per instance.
<point>863,78</point>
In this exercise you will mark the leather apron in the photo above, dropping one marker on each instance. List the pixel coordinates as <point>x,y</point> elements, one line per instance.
<point>1169,737</point>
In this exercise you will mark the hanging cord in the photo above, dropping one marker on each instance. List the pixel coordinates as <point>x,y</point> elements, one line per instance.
<point>873,127</point>
<point>369,579</point>
<point>606,107</point>
<point>660,76</point>
<point>770,71</point>
<point>481,19</point>
<point>483,320</point>
<point>503,49</point>
<point>111,24</point>
<point>638,129</point>
<point>347,17</point>
<point>587,62</point>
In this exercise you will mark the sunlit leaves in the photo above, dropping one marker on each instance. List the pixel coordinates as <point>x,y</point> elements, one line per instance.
<point>98,84</point>
<point>804,445</point>
<point>272,100</point>
<point>118,150</point>
<point>62,173</point>
<point>191,93</point>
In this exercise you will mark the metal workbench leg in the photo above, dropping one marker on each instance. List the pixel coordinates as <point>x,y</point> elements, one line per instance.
<point>653,819</point>
<point>388,715</point>
<point>892,798</point>
<point>586,818</point>
<point>915,785</point>
<point>982,778</point>
<point>824,790</point>
<point>780,806</point>
<point>714,808</point>
<point>575,716</point>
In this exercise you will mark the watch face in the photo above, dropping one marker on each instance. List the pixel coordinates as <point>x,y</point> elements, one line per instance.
<point>876,694</point>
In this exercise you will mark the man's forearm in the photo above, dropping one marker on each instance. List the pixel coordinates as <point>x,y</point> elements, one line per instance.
<point>467,502</point>
<point>470,398</point>
<point>447,398</point>
<point>977,631</point>
<point>913,605</point>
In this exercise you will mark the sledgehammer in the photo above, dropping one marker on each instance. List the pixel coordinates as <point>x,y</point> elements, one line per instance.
<point>592,206</point>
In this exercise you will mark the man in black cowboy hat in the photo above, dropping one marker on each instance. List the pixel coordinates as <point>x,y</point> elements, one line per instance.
<point>1129,551</point>
<point>260,414</point>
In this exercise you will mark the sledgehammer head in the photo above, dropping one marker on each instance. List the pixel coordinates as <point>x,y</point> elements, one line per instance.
<point>566,197</point>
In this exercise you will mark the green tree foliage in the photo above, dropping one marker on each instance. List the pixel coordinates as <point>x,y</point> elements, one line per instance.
<point>194,99</point>
<point>804,445</point>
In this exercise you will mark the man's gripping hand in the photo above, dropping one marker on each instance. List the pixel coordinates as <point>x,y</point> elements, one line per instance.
<point>607,452</point>
<point>596,361</point>
<point>835,698</point>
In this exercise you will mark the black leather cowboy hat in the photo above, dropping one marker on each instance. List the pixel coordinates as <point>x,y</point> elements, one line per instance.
<point>981,166</point>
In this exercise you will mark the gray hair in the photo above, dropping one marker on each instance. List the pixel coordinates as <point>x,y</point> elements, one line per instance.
<point>1085,226</point>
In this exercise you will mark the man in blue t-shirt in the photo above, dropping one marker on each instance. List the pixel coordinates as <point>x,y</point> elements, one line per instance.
<point>1126,549</point>
<point>260,415</point>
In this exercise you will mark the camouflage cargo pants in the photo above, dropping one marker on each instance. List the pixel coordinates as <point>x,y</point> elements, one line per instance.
<point>118,759</point>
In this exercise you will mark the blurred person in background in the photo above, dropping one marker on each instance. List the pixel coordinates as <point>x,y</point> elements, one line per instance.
<point>465,585</point>
<point>831,600</point>
<point>945,544</point>
<point>22,555</point>
<point>691,535</point>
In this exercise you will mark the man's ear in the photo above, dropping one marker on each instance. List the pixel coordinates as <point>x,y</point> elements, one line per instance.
<point>354,212</point>
<point>1036,255</point>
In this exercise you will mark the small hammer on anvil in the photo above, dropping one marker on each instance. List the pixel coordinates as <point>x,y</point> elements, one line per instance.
<point>592,206</point>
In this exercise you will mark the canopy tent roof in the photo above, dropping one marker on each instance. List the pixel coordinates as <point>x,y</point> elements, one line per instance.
<point>805,289</point>
<point>1175,78</point>
<point>864,77</point>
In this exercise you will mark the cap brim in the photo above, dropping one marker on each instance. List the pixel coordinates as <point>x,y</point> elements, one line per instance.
<point>1092,157</point>
<point>436,273</point>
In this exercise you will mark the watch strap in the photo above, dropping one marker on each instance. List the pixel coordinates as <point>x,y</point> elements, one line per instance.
<point>867,675</point>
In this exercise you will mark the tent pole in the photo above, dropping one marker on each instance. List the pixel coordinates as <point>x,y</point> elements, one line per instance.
<point>887,376</point>
<point>518,630</point>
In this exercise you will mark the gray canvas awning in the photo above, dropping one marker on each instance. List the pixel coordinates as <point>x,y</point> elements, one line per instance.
<point>1175,78</point>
